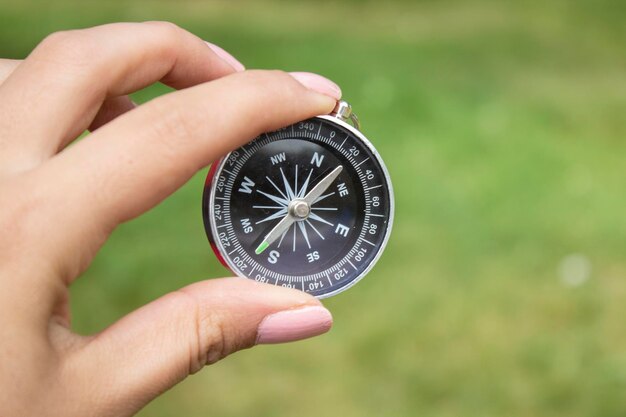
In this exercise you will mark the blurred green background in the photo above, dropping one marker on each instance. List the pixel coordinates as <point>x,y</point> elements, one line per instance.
<point>503,288</point>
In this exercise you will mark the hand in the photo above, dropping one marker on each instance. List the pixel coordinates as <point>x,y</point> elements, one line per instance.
<point>58,205</point>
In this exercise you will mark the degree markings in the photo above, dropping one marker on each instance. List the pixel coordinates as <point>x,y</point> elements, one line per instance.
<point>352,265</point>
<point>367,241</point>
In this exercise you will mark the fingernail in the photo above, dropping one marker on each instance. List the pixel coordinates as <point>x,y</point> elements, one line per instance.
<point>225,56</point>
<point>292,325</point>
<point>318,83</point>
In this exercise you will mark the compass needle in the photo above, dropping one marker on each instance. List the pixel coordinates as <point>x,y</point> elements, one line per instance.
<point>281,238</point>
<point>275,233</point>
<point>264,245</point>
<point>321,186</point>
<point>308,206</point>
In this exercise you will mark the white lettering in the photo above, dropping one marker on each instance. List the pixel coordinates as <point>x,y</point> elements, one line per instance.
<point>246,186</point>
<point>343,190</point>
<point>247,226</point>
<point>313,256</point>
<point>342,230</point>
<point>273,258</point>
<point>276,159</point>
<point>317,159</point>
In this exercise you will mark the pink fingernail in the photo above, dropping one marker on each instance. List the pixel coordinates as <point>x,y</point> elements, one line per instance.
<point>318,83</point>
<point>292,325</point>
<point>225,56</point>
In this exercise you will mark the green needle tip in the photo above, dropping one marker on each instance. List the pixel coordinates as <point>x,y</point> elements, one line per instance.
<point>264,245</point>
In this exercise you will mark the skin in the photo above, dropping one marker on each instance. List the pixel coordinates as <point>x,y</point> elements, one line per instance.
<point>59,204</point>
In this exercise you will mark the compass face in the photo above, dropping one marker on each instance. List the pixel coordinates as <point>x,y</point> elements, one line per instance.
<point>308,206</point>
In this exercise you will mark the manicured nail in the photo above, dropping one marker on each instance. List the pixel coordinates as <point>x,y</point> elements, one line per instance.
<point>318,83</point>
<point>292,325</point>
<point>228,58</point>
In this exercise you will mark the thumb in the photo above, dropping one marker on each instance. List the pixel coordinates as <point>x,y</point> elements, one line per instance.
<point>158,345</point>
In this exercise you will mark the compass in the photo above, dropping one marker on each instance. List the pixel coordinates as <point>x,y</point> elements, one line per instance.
<point>309,206</point>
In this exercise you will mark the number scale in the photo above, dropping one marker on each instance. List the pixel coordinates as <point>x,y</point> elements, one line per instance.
<point>309,206</point>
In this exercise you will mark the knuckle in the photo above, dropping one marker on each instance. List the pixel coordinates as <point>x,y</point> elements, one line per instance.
<point>68,47</point>
<point>208,342</point>
<point>166,38</point>
<point>214,345</point>
<point>55,39</point>
<point>165,32</point>
<point>163,24</point>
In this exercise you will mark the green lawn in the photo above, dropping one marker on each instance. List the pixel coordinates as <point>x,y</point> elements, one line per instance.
<point>503,288</point>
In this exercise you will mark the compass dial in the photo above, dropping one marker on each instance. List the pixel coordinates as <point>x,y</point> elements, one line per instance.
<point>308,206</point>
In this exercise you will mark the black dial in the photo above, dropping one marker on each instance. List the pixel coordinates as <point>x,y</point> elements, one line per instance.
<point>308,206</point>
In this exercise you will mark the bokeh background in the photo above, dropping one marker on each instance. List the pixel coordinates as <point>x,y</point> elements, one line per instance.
<point>503,288</point>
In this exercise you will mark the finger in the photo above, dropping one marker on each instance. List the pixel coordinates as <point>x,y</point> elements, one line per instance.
<point>134,162</point>
<point>109,110</point>
<point>160,344</point>
<point>53,95</point>
<point>6,68</point>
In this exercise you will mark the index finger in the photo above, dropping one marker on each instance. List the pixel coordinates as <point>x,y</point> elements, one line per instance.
<point>55,93</point>
<point>134,162</point>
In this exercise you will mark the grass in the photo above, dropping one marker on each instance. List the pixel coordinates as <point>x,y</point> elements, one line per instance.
<point>503,127</point>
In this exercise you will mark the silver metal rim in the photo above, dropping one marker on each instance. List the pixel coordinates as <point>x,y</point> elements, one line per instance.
<point>214,240</point>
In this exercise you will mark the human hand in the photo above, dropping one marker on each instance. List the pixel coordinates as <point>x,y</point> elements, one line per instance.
<point>58,205</point>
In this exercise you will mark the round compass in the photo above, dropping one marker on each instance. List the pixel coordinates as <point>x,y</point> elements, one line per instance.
<point>309,206</point>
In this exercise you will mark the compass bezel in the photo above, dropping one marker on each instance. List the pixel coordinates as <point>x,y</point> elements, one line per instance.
<point>221,254</point>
